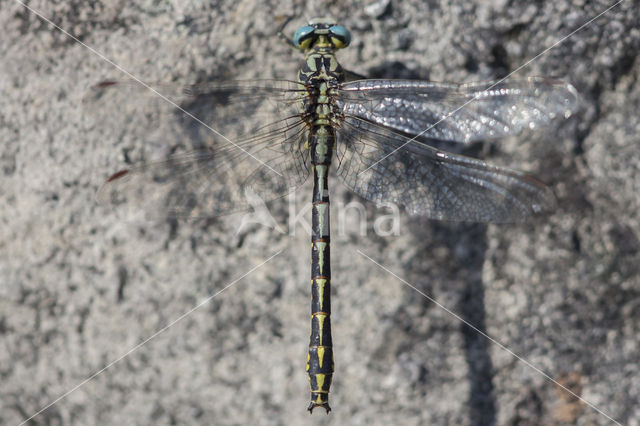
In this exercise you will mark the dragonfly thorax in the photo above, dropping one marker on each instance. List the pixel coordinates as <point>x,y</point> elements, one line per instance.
<point>320,66</point>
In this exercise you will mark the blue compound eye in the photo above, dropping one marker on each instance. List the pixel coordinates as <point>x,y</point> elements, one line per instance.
<point>303,37</point>
<point>340,36</point>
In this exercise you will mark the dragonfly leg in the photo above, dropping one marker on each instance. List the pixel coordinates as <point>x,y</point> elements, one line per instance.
<point>283,37</point>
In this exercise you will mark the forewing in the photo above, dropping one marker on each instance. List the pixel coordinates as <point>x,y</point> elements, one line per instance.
<point>166,113</point>
<point>212,143</point>
<point>459,112</point>
<point>433,183</point>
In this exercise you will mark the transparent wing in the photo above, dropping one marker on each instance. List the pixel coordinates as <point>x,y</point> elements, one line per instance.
<point>213,182</point>
<point>433,183</point>
<point>479,111</point>
<point>223,111</point>
<point>208,172</point>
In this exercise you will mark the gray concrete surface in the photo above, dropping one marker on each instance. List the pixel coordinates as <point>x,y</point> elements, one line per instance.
<point>79,288</point>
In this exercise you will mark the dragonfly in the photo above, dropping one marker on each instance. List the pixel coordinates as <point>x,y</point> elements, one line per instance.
<point>267,137</point>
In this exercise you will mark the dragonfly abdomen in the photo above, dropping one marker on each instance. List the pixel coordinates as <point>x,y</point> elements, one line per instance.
<point>320,358</point>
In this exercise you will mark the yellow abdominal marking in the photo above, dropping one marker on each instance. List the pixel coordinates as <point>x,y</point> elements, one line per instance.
<point>321,283</point>
<point>321,247</point>
<point>322,173</point>
<point>321,316</point>
<point>320,356</point>
<point>322,212</point>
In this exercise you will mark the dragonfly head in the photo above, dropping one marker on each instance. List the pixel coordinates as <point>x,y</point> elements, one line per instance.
<point>321,31</point>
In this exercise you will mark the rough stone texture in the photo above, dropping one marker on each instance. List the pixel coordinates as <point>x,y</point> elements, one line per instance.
<point>79,288</point>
